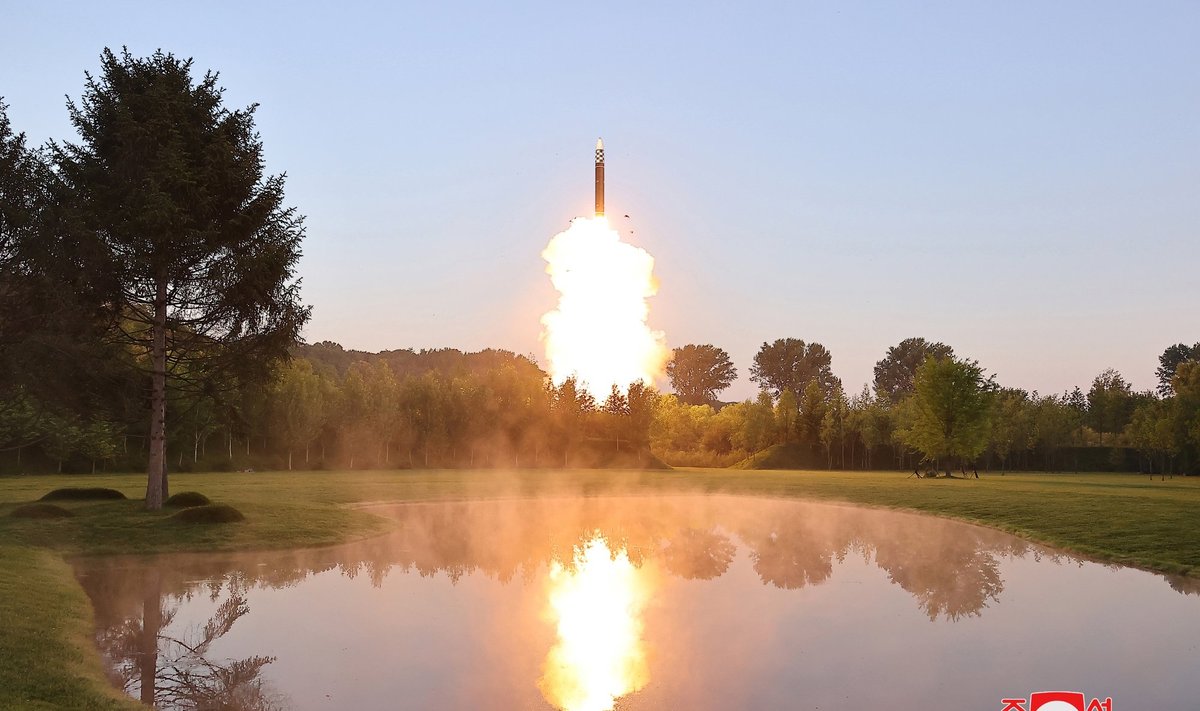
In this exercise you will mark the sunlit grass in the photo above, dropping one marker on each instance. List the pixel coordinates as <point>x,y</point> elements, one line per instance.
<point>47,660</point>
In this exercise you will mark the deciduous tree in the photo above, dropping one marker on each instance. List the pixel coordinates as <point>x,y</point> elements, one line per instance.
<point>1110,403</point>
<point>947,416</point>
<point>1169,361</point>
<point>298,405</point>
<point>835,428</point>
<point>1012,427</point>
<point>791,364</point>
<point>699,372</point>
<point>895,373</point>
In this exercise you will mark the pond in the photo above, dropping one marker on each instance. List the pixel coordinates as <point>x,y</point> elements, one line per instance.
<point>671,602</point>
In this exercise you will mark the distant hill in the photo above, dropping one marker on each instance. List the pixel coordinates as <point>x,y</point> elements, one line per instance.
<point>446,361</point>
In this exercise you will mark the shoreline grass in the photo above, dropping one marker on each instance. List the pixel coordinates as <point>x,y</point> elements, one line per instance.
<point>45,643</point>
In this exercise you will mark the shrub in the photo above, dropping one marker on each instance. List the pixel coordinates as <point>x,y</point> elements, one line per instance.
<point>187,499</point>
<point>84,493</point>
<point>40,511</point>
<point>209,513</point>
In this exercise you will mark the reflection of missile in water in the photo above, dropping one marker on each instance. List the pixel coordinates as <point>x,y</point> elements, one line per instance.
<point>599,177</point>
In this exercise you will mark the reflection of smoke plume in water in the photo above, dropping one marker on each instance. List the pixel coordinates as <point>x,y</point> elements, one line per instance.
<point>596,604</point>
<point>598,333</point>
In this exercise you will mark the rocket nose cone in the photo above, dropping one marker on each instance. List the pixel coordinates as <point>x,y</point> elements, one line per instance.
<point>599,144</point>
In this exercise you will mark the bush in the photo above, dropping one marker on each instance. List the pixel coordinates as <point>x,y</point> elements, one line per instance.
<point>86,493</point>
<point>40,511</point>
<point>187,499</point>
<point>209,513</point>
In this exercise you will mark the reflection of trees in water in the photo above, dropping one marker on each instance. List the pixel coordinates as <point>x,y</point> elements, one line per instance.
<point>950,569</point>
<point>174,669</point>
<point>698,554</point>
<point>790,551</point>
<point>1183,584</point>
<point>951,573</point>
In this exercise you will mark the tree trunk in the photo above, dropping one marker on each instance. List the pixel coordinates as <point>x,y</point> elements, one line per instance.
<point>289,459</point>
<point>151,626</point>
<point>156,466</point>
<point>306,445</point>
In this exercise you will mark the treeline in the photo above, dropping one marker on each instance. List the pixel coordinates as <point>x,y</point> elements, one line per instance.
<point>928,410</point>
<point>328,407</point>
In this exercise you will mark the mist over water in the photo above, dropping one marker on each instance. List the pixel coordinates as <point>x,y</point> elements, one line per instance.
<point>720,602</point>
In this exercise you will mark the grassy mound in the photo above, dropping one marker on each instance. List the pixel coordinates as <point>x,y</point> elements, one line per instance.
<point>83,493</point>
<point>187,499</point>
<point>209,513</point>
<point>40,511</point>
<point>604,455</point>
<point>782,456</point>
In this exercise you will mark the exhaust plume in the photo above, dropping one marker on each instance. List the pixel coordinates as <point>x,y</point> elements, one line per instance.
<point>598,333</point>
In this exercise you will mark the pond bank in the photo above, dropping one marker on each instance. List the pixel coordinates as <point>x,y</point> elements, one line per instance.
<point>47,622</point>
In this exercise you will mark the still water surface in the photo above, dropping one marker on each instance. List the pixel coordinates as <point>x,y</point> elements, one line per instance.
<point>680,602</point>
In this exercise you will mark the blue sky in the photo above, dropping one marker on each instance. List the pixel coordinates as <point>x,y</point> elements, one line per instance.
<point>1020,180</point>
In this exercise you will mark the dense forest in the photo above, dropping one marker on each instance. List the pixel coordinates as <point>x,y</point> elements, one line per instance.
<point>150,319</point>
<point>328,407</point>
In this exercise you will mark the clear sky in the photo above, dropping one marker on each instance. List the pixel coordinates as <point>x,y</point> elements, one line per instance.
<point>1020,180</point>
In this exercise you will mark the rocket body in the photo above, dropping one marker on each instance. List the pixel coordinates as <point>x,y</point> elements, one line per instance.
<point>599,178</point>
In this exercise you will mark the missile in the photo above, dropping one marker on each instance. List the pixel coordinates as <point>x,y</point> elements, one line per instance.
<point>599,177</point>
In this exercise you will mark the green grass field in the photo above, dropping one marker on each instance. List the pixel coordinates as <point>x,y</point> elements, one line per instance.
<point>45,621</point>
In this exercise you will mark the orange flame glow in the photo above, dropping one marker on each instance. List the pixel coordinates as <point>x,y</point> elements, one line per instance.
<point>598,333</point>
<point>597,605</point>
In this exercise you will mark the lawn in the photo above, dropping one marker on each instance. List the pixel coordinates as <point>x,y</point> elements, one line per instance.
<point>46,657</point>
